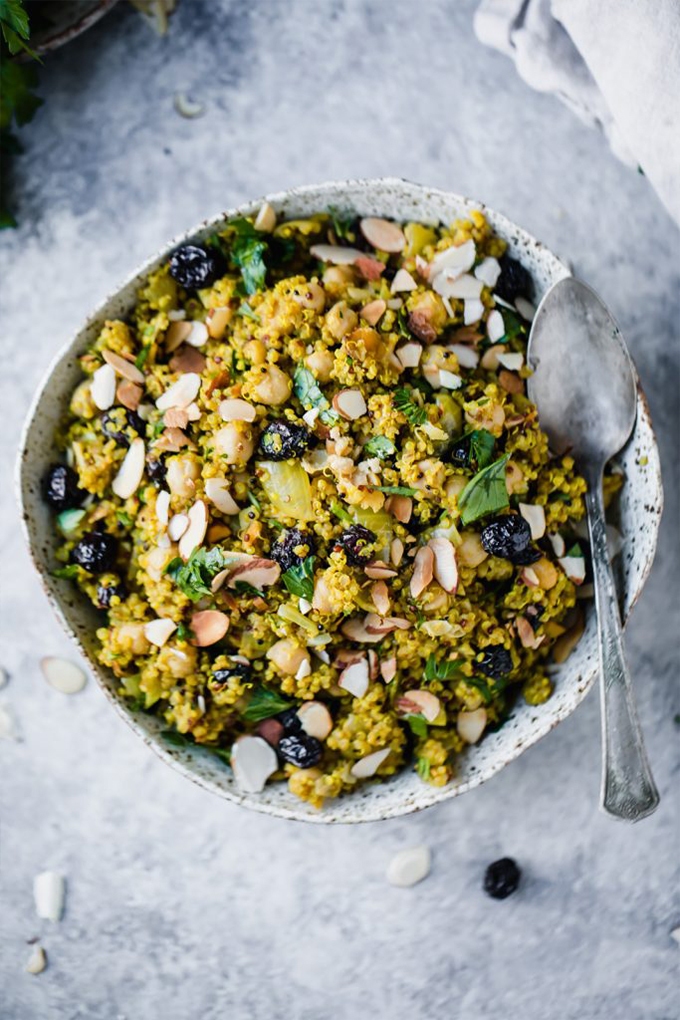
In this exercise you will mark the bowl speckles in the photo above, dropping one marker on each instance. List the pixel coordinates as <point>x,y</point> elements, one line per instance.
<point>639,512</point>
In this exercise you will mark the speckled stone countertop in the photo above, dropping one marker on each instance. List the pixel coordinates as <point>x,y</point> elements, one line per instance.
<point>181,906</point>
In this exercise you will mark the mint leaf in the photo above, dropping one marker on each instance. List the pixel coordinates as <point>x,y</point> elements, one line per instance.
<point>423,768</point>
<point>308,392</point>
<point>299,580</point>
<point>194,576</point>
<point>482,445</point>
<point>486,493</point>
<point>417,724</point>
<point>396,490</point>
<point>403,401</point>
<point>379,446</point>
<point>444,670</point>
<point>247,253</point>
<point>264,704</point>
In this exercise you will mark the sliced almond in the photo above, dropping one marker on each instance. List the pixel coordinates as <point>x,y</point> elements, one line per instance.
<point>384,625</point>
<point>488,271</point>
<point>511,360</point>
<point>172,440</point>
<point>423,571</point>
<point>37,961</point>
<point>558,544</point>
<point>195,533</point>
<point>574,567</point>
<point>315,719</point>
<point>335,253</point>
<point>103,387</point>
<point>355,678</point>
<point>473,310</point>
<point>402,282</point>
<point>197,335</point>
<point>566,643</point>
<point>162,507</point>
<point>422,703</point>
<point>526,634</point>
<point>236,410</point>
<point>449,380</point>
<point>461,287</point>
<point>383,235</point>
<point>408,867</point>
<point>265,219</point>
<point>49,893</point>
<point>471,725</point>
<point>125,369</point>
<point>490,357</point>
<point>369,764</point>
<point>379,571</point>
<point>409,354</point>
<point>350,404</point>
<point>177,526</point>
<point>370,269</point>
<point>445,567</point>
<point>525,308</point>
<point>495,326</point>
<point>355,629</point>
<point>510,382</point>
<point>455,260</point>
<point>181,393</point>
<point>373,312</point>
<point>64,676</point>
<point>188,359</point>
<point>534,515</point>
<point>158,631</point>
<point>217,491</point>
<point>253,761</point>
<point>381,597</point>
<point>530,577</point>
<point>401,508</point>
<point>131,471</point>
<point>396,551</point>
<point>129,394</point>
<point>208,626</point>
<point>176,417</point>
<point>388,669</point>
<point>467,356</point>
<point>256,571</point>
<point>217,320</point>
<point>176,334</point>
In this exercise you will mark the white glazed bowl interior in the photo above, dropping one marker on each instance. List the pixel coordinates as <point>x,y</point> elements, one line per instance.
<point>405,792</point>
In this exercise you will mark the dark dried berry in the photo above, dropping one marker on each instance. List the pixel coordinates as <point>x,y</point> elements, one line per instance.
<point>122,425</point>
<point>513,281</point>
<point>283,550</point>
<point>106,592</point>
<point>290,720</point>
<point>496,661</point>
<point>502,878</point>
<point>96,552</point>
<point>282,440</point>
<point>510,538</point>
<point>60,488</point>
<point>459,453</point>
<point>234,671</point>
<point>155,471</point>
<point>194,267</point>
<point>300,750</point>
<point>354,541</point>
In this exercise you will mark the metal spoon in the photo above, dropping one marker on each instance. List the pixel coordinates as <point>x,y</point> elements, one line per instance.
<point>584,387</point>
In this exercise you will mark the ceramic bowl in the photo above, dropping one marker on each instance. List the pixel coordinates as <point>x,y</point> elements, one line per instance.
<point>639,512</point>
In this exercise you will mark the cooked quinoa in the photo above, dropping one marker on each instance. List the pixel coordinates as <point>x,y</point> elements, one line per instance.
<point>305,487</point>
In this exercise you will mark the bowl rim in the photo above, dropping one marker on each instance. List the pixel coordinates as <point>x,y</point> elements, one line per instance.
<point>431,795</point>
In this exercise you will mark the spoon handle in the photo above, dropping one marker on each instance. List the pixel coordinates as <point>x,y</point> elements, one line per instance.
<point>628,790</point>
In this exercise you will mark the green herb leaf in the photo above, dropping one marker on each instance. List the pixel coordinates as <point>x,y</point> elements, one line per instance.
<point>486,493</point>
<point>183,632</point>
<point>299,580</point>
<point>402,325</point>
<point>243,588</point>
<point>340,512</point>
<point>253,500</point>
<point>15,27</point>
<point>342,224</point>
<point>247,253</point>
<point>194,576</point>
<point>264,704</point>
<point>17,100</point>
<point>575,550</point>
<point>309,393</point>
<point>423,768</point>
<point>246,311</point>
<point>487,690</point>
<point>140,360</point>
<point>68,520</point>
<point>396,490</point>
<point>514,327</point>
<point>124,519</point>
<point>176,739</point>
<point>444,670</point>
<point>482,445</point>
<point>403,401</point>
<point>379,446</point>
<point>68,572</point>
<point>417,725</point>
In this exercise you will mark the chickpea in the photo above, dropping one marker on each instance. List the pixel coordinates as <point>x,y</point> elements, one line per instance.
<point>455,486</point>
<point>431,475</point>
<point>287,656</point>
<point>310,295</point>
<point>340,276</point>
<point>272,387</point>
<point>180,663</point>
<point>341,319</point>
<point>514,479</point>
<point>255,352</point>
<point>546,572</point>
<point>132,635</point>
<point>181,476</point>
<point>157,559</point>
<point>471,552</point>
<point>320,364</point>
<point>235,442</point>
<point>486,416</point>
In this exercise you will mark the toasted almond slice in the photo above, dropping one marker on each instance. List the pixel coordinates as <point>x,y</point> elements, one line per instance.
<point>131,471</point>
<point>473,311</point>
<point>198,334</point>
<point>217,491</point>
<point>454,260</point>
<point>181,393</point>
<point>176,418</point>
<point>530,577</point>
<point>381,597</point>
<point>510,382</point>
<point>265,219</point>
<point>373,311</point>
<point>388,669</point>
<point>423,571</point>
<point>401,507</point>
<point>449,380</point>
<point>37,961</point>
<point>193,411</point>
<point>370,268</point>
<point>163,507</point>
<point>384,625</point>
<point>64,676</point>
<point>315,719</point>
<point>103,387</point>
<point>369,765</point>
<point>512,361</point>
<point>158,631</point>
<point>403,281</point>
<point>236,410</point>
<point>526,634</point>
<point>495,326</point>
<point>253,761</point>
<point>125,369</point>
<point>461,287</point>
<point>379,571</point>
<point>525,308</point>
<point>409,867</point>
<point>558,544</point>
<point>49,893</point>
<point>427,704</point>
<point>309,417</point>
<point>409,354</point>
<point>490,357</point>
<point>488,271</point>
<point>172,440</point>
<point>255,570</point>
<point>467,356</point>
<point>335,253</point>
<point>471,725</point>
<point>396,551</point>
<point>216,322</point>
<point>195,533</point>
<point>383,234</point>
<point>445,567</point>
<point>177,526</point>
<point>574,567</point>
<point>176,334</point>
<point>350,404</point>
<point>129,394</point>
<point>355,629</point>
<point>355,678</point>
<point>534,515</point>
<point>208,626</point>
<point>219,579</point>
<point>189,359</point>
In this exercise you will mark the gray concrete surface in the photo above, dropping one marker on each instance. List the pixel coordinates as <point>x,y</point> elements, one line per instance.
<point>183,907</point>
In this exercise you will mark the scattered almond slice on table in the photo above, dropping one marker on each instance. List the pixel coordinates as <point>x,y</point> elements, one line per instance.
<point>64,676</point>
<point>408,867</point>
<point>37,961</point>
<point>49,893</point>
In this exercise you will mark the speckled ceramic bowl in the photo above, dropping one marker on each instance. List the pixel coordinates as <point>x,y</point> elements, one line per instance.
<point>640,509</point>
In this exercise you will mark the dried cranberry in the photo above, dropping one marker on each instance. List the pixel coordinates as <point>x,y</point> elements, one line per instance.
<point>95,552</point>
<point>509,537</point>
<point>60,488</point>
<point>513,281</point>
<point>194,267</point>
<point>283,550</point>
<point>354,541</point>
<point>502,878</point>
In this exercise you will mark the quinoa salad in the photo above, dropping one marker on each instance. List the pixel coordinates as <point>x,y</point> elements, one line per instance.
<point>304,487</point>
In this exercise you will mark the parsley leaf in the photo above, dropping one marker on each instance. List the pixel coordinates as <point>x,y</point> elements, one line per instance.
<point>243,588</point>
<point>246,311</point>
<point>396,490</point>
<point>15,28</point>
<point>140,360</point>
<point>417,724</point>
<point>340,512</point>
<point>444,670</point>
<point>402,325</point>
<point>482,444</point>
<point>486,493</point>
<point>342,224</point>
<point>180,740</point>
<point>194,576</point>
<point>379,446</point>
<point>253,500</point>
<point>514,327</point>
<point>299,580</point>
<point>423,766</point>
<point>575,550</point>
<point>264,704</point>
<point>404,402</point>
<point>247,253</point>
<point>68,572</point>
<point>309,393</point>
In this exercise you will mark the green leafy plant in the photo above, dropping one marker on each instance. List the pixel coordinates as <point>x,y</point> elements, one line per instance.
<point>486,493</point>
<point>396,490</point>
<point>380,447</point>
<point>423,767</point>
<point>342,224</point>
<point>444,670</point>
<point>299,580</point>
<point>414,413</point>
<point>194,576</point>
<point>264,704</point>
<point>310,395</point>
<point>247,251</point>
<point>417,725</point>
<point>482,444</point>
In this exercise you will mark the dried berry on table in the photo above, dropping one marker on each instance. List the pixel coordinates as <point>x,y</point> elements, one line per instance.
<point>502,878</point>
